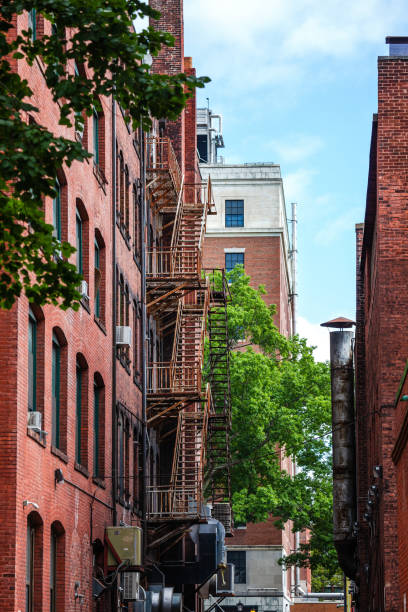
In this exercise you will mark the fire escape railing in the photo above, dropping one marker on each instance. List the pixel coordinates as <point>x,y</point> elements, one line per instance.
<point>218,475</point>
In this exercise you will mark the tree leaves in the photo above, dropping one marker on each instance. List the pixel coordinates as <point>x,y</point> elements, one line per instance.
<point>92,51</point>
<point>280,408</point>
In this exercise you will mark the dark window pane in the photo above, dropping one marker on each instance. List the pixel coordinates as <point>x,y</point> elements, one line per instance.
<point>78,414</point>
<point>79,253</point>
<point>32,361</point>
<point>56,212</point>
<point>96,137</point>
<point>232,259</point>
<point>202,146</point>
<point>96,431</point>
<point>238,558</point>
<point>234,213</point>
<point>56,368</point>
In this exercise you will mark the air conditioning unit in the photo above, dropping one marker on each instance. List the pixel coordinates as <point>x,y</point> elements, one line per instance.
<point>130,585</point>
<point>58,254</point>
<point>123,335</point>
<point>83,289</point>
<point>34,420</point>
<point>123,544</point>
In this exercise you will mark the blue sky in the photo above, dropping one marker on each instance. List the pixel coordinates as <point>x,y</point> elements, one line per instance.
<point>295,81</point>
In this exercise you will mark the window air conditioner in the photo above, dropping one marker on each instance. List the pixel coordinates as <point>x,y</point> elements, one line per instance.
<point>123,335</point>
<point>130,585</point>
<point>34,420</point>
<point>83,289</point>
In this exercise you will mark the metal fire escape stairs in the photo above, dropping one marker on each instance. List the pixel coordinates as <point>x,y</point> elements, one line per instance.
<point>177,297</point>
<point>218,476</point>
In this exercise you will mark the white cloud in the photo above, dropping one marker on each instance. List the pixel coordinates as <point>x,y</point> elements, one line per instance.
<point>316,336</point>
<point>276,41</point>
<point>297,147</point>
<point>331,230</point>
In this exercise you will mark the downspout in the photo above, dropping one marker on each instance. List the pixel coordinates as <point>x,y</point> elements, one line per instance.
<point>114,421</point>
<point>144,221</point>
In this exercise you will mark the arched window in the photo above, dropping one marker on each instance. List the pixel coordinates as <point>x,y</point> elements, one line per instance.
<point>35,365</point>
<point>82,247</point>
<point>56,211</point>
<point>32,361</point>
<point>81,416</point>
<point>126,220</point>
<point>59,390</point>
<point>137,225</point>
<point>98,427</point>
<point>99,276</point>
<point>98,124</point>
<point>60,209</point>
<point>57,568</point>
<point>34,562</point>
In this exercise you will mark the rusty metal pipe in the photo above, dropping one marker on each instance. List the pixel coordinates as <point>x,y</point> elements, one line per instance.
<point>344,453</point>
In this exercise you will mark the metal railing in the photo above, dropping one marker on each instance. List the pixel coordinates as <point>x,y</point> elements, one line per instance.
<point>160,156</point>
<point>166,501</point>
<point>170,262</point>
<point>168,377</point>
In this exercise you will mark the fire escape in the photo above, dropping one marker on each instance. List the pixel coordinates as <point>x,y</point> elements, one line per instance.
<point>218,487</point>
<point>178,403</point>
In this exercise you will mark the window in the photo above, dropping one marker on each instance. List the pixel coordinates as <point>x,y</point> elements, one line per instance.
<point>53,571</point>
<point>137,467</point>
<point>96,137</point>
<point>78,425</point>
<point>238,558</point>
<point>32,23</point>
<point>97,281</point>
<point>81,421</point>
<point>79,243</point>
<point>202,147</point>
<point>59,383</point>
<point>56,212</point>
<point>34,563</point>
<point>234,213</point>
<point>233,259</point>
<point>57,567</point>
<point>127,211</point>
<point>56,391</point>
<point>99,276</point>
<point>32,361</point>
<point>137,216</point>
<point>98,427</point>
<point>30,548</point>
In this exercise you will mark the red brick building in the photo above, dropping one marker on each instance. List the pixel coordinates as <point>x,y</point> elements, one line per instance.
<point>382,348</point>
<point>71,402</point>
<point>104,417</point>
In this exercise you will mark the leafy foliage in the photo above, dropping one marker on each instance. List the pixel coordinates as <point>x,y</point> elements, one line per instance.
<point>97,37</point>
<point>280,408</point>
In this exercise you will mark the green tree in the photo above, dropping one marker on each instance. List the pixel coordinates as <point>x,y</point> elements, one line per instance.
<point>98,34</point>
<point>280,408</point>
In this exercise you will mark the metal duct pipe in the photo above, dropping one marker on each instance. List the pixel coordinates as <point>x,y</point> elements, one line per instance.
<point>344,485</point>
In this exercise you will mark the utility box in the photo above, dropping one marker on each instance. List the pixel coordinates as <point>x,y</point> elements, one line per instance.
<point>225,580</point>
<point>123,544</point>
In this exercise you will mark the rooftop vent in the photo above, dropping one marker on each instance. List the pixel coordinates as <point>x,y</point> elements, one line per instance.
<point>398,45</point>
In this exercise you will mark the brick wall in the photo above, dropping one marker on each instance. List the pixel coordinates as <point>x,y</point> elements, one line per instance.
<point>382,345</point>
<point>170,61</point>
<point>28,461</point>
<point>263,263</point>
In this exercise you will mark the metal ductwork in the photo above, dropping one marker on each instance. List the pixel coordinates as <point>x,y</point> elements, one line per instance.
<point>344,450</point>
<point>209,539</point>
